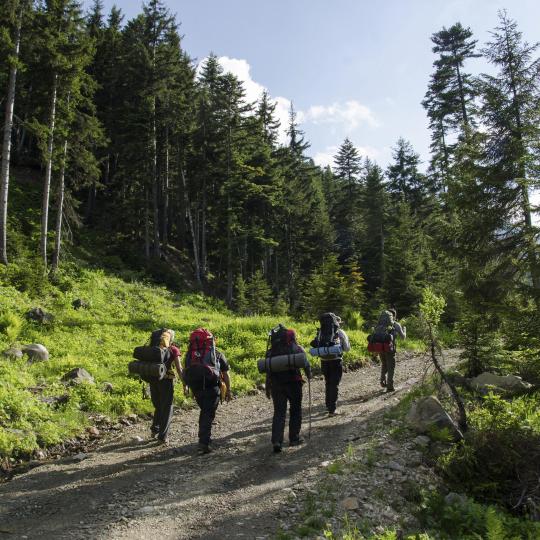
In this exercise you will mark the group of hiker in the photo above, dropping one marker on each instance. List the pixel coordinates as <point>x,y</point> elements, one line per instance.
<point>205,373</point>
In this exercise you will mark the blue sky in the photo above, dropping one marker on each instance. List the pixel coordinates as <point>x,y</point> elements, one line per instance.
<point>351,67</point>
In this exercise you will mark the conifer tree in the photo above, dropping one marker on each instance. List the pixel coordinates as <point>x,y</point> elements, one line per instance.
<point>450,95</point>
<point>374,205</point>
<point>511,111</point>
<point>405,182</point>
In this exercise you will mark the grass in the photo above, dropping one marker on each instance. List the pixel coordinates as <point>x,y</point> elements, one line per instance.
<point>100,338</point>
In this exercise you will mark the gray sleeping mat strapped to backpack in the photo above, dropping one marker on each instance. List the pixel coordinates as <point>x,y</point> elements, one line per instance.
<point>327,351</point>
<point>147,370</point>
<point>284,362</point>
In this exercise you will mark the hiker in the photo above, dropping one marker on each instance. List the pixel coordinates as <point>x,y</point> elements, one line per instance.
<point>206,374</point>
<point>285,386</point>
<point>162,391</point>
<point>388,323</point>
<point>331,337</point>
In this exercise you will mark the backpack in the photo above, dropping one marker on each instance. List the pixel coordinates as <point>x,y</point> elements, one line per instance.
<point>327,335</point>
<point>382,338</point>
<point>279,342</point>
<point>152,361</point>
<point>202,366</point>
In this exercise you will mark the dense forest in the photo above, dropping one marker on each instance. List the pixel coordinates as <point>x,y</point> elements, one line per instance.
<point>164,165</point>
<point>126,166</point>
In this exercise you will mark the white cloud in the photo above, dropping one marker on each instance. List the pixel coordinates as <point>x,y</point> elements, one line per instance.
<point>241,69</point>
<point>351,113</point>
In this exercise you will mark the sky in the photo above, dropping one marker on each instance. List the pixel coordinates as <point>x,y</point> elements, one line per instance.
<point>351,68</point>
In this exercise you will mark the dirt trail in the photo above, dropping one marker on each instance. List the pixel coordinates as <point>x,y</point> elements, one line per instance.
<point>135,490</point>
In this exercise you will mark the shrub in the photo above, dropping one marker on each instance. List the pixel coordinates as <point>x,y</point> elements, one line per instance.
<point>500,460</point>
<point>468,520</point>
<point>11,325</point>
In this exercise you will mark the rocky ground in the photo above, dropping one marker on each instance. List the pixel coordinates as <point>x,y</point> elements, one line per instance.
<point>357,464</point>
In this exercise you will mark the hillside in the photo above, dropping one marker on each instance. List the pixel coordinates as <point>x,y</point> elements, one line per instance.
<point>100,338</point>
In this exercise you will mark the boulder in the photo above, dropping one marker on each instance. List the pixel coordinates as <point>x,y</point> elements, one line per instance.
<point>507,384</point>
<point>78,304</point>
<point>12,353</point>
<point>428,416</point>
<point>38,315</point>
<point>36,352</point>
<point>78,376</point>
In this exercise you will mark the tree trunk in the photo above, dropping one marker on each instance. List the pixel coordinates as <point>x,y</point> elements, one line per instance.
<point>194,234</point>
<point>59,212</point>
<point>146,225</point>
<point>6,146</point>
<point>202,225</point>
<point>229,296</point>
<point>165,233</point>
<point>155,185</point>
<point>462,96</point>
<point>48,173</point>
<point>462,421</point>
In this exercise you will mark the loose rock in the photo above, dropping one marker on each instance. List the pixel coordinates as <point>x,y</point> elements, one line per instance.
<point>12,353</point>
<point>78,376</point>
<point>36,352</point>
<point>40,316</point>
<point>508,384</point>
<point>350,503</point>
<point>427,415</point>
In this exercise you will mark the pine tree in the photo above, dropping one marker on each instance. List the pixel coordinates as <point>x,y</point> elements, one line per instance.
<point>450,95</point>
<point>374,206</point>
<point>405,182</point>
<point>348,165</point>
<point>511,111</point>
<point>402,286</point>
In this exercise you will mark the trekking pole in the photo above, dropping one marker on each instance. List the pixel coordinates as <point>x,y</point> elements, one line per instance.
<point>309,407</point>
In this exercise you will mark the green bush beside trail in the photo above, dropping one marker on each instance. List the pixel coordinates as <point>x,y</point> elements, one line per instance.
<point>101,338</point>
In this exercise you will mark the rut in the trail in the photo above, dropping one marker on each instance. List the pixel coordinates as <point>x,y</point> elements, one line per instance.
<point>130,489</point>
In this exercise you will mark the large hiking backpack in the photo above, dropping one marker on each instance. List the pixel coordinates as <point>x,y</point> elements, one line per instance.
<point>202,366</point>
<point>382,338</point>
<point>280,355</point>
<point>152,361</point>
<point>327,343</point>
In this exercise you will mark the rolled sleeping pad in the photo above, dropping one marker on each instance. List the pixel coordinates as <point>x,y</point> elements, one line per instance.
<point>285,362</point>
<point>148,369</point>
<point>333,350</point>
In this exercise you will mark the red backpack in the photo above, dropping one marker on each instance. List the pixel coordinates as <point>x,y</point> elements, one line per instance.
<point>202,366</point>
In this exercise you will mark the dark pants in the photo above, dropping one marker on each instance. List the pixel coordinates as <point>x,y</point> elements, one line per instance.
<point>162,393</point>
<point>208,401</point>
<point>388,364</point>
<point>332,371</point>
<point>281,393</point>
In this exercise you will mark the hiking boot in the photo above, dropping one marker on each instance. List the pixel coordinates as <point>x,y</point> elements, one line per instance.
<point>333,413</point>
<point>277,448</point>
<point>383,383</point>
<point>296,442</point>
<point>390,389</point>
<point>163,441</point>
<point>203,449</point>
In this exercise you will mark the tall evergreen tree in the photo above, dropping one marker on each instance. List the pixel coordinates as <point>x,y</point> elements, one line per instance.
<point>450,94</point>
<point>511,112</point>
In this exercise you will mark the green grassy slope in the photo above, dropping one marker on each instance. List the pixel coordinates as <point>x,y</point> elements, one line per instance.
<point>100,339</point>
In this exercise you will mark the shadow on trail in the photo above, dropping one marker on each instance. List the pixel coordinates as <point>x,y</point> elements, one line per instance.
<point>149,475</point>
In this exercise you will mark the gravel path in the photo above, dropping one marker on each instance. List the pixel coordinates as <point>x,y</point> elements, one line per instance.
<point>137,490</point>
